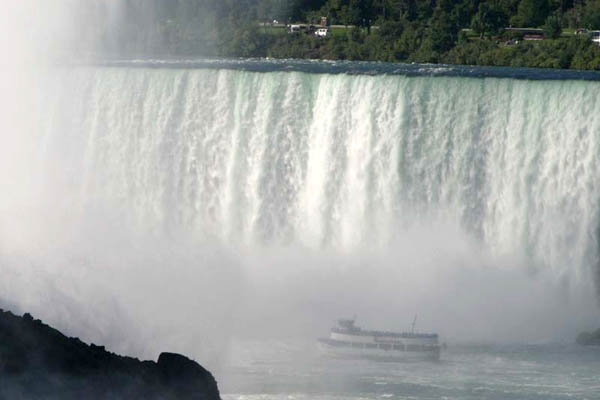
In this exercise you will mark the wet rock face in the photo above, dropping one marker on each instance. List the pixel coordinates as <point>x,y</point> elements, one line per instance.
<point>37,361</point>
<point>188,377</point>
<point>589,338</point>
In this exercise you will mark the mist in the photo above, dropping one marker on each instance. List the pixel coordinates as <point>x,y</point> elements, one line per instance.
<point>153,211</point>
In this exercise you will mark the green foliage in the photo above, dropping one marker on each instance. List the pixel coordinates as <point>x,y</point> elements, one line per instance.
<point>490,19</point>
<point>443,32</point>
<point>531,13</point>
<point>591,15</point>
<point>552,27</point>
<point>246,41</point>
<point>352,12</point>
<point>391,29</point>
<point>574,52</point>
<point>383,30</point>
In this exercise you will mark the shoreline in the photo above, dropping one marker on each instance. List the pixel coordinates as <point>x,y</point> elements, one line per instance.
<point>368,68</point>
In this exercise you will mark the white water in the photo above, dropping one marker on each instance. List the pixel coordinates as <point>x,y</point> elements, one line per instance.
<point>335,160</point>
<point>180,204</point>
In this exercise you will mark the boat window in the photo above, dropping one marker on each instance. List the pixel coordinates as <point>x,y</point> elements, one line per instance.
<point>398,347</point>
<point>371,346</point>
<point>385,346</point>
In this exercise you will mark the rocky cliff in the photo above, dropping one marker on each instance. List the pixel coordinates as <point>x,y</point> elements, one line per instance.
<point>589,338</point>
<point>37,361</point>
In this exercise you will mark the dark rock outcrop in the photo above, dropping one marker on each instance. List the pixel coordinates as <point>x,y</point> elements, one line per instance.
<point>589,338</point>
<point>39,362</point>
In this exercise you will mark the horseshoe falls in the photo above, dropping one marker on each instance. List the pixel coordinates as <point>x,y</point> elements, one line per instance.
<point>337,161</point>
<point>224,201</point>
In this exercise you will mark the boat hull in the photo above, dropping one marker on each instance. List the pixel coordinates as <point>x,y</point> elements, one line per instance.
<point>331,349</point>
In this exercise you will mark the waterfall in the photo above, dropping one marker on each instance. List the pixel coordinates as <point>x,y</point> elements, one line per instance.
<point>334,160</point>
<point>217,201</point>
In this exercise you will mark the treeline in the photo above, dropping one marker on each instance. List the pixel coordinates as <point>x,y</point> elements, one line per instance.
<point>461,32</point>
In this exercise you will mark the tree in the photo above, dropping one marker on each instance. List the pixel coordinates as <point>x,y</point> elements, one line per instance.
<point>391,29</point>
<point>357,12</point>
<point>443,31</point>
<point>591,15</point>
<point>489,19</point>
<point>296,9</point>
<point>531,13</point>
<point>268,10</point>
<point>552,27</point>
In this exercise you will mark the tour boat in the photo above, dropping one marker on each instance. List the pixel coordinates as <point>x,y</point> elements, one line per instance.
<point>347,340</point>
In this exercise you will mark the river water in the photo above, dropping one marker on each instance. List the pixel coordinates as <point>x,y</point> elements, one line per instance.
<point>283,370</point>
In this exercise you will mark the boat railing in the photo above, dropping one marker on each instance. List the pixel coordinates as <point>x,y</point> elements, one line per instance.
<point>358,332</point>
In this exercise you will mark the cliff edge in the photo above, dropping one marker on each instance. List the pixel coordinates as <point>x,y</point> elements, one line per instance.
<point>37,361</point>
